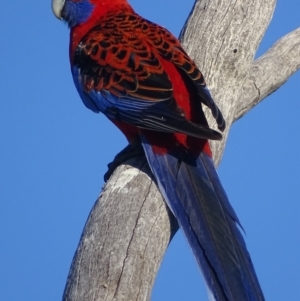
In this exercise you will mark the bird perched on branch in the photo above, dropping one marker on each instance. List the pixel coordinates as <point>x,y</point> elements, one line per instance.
<point>137,74</point>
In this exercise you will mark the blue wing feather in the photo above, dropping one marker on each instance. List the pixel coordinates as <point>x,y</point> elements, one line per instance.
<point>161,116</point>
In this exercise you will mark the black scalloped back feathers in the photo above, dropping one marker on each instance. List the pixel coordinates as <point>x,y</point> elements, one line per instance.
<point>122,55</point>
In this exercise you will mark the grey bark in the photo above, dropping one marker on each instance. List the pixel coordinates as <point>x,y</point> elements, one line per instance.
<point>129,228</point>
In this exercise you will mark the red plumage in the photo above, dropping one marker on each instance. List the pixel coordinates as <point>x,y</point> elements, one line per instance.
<point>123,34</point>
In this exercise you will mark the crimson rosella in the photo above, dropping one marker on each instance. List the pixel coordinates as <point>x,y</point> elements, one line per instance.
<point>137,74</point>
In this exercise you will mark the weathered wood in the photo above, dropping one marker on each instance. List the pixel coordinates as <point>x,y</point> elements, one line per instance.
<point>222,37</point>
<point>270,71</point>
<point>129,228</point>
<point>120,251</point>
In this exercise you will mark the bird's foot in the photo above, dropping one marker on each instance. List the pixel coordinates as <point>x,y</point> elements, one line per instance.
<point>132,150</point>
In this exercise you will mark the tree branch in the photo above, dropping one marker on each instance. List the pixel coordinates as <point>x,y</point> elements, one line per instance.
<point>129,228</point>
<point>270,71</point>
<point>122,244</point>
<point>223,37</point>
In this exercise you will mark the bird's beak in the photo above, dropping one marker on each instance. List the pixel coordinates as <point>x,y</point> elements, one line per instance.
<point>57,6</point>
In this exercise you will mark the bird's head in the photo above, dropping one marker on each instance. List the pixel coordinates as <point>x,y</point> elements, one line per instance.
<point>74,12</point>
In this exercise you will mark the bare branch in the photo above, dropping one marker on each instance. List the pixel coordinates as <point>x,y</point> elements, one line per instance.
<point>270,71</point>
<point>122,244</point>
<point>223,37</point>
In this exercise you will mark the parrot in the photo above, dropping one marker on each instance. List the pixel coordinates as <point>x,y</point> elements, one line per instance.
<point>139,76</point>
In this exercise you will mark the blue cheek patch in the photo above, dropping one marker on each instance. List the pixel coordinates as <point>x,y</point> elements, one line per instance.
<point>75,13</point>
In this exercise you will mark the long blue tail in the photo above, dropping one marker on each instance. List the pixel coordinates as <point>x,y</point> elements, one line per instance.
<point>194,194</point>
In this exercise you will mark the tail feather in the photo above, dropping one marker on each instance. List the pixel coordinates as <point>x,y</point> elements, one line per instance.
<point>194,194</point>
<point>242,252</point>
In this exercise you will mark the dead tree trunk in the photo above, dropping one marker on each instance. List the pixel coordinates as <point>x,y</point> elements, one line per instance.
<point>129,228</point>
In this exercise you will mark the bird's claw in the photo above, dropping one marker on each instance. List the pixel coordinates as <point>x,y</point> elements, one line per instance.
<point>130,151</point>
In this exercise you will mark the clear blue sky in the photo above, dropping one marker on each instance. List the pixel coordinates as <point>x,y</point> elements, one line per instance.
<point>54,153</point>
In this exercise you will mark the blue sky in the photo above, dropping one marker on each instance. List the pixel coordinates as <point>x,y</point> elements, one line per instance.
<point>54,153</point>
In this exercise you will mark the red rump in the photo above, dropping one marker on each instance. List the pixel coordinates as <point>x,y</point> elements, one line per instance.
<point>187,99</point>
